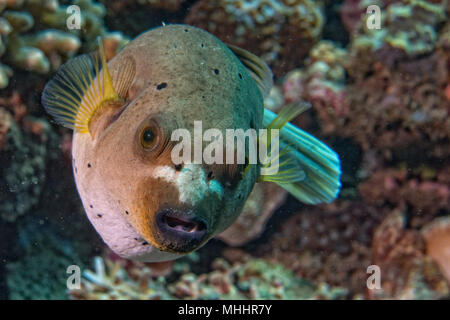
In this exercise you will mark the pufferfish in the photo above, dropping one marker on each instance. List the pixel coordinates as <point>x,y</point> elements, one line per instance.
<point>123,113</point>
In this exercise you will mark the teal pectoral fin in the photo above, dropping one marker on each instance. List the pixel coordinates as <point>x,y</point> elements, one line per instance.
<point>319,165</point>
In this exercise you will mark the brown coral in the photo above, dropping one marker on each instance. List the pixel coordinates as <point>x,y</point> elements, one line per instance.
<point>281,32</point>
<point>5,123</point>
<point>321,82</point>
<point>259,207</point>
<point>406,272</point>
<point>437,239</point>
<point>398,80</point>
<point>327,244</point>
<point>425,192</point>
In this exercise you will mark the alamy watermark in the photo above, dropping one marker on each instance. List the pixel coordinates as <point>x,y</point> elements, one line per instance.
<point>73,22</point>
<point>374,17</point>
<point>74,280</point>
<point>374,280</point>
<point>240,147</point>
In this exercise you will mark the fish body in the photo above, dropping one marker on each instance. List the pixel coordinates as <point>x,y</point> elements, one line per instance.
<point>123,113</point>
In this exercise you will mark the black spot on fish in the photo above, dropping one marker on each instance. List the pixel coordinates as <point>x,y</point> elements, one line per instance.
<point>216,71</point>
<point>127,212</point>
<point>202,45</point>
<point>210,175</point>
<point>161,86</point>
<point>91,206</point>
<point>178,167</point>
<point>89,165</point>
<point>203,97</point>
<point>239,196</point>
<point>136,239</point>
<point>240,75</point>
<point>186,30</point>
<point>99,215</point>
<point>144,243</point>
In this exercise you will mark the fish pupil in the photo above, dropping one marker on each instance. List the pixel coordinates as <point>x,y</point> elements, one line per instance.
<point>148,136</point>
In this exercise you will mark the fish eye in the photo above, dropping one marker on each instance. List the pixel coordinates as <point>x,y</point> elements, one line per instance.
<point>148,137</point>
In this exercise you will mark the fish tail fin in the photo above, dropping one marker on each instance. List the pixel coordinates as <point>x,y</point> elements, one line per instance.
<point>313,169</point>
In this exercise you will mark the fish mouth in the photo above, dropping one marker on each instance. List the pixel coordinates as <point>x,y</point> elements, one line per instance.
<point>178,231</point>
<point>183,225</point>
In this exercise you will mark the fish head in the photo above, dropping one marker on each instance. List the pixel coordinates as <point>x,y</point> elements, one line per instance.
<point>193,78</point>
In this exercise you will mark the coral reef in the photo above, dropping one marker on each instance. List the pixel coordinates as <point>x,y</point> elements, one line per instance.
<point>264,199</point>
<point>329,244</point>
<point>170,5</point>
<point>249,279</point>
<point>381,99</point>
<point>406,272</point>
<point>24,158</point>
<point>437,239</point>
<point>396,96</point>
<point>5,124</point>
<point>34,34</point>
<point>41,272</point>
<point>425,192</point>
<point>281,32</point>
<point>321,82</point>
<point>111,281</point>
<point>388,89</point>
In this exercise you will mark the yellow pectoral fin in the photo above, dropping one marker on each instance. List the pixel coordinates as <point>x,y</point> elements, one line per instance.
<point>81,86</point>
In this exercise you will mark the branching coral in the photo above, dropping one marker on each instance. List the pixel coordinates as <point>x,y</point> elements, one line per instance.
<point>112,282</point>
<point>34,35</point>
<point>281,32</point>
<point>249,279</point>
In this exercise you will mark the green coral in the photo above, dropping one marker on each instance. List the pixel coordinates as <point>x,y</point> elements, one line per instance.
<point>24,158</point>
<point>34,35</point>
<point>253,279</point>
<point>41,271</point>
<point>111,281</point>
<point>410,26</point>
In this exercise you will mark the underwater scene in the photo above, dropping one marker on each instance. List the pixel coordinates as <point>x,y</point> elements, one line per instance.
<point>319,168</point>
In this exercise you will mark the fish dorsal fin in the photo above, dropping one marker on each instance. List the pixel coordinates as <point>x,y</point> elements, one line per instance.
<point>257,68</point>
<point>124,77</point>
<point>79,88</point>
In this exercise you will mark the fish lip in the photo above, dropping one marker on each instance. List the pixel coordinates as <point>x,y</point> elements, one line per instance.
<point>187,232</point>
